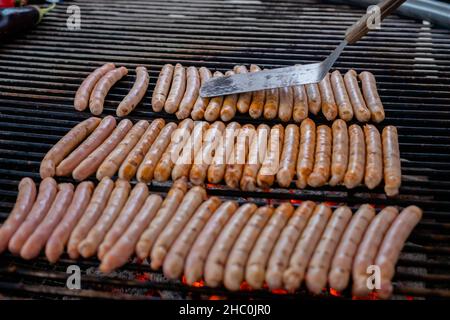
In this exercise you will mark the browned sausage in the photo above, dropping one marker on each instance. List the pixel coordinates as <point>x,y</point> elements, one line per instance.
<point>212,111</point>
<point>65,145</point>
<point>124,247</point>
<point>217,257</point>
<point>282,251</point>
<point>162,87</point>
<point>129,211</point>
<point>286,106</point>
<point>271,104</point>
<point>370,92</point>
<point>357,157</point>
<point>191,94</point>
<point>257,261</point>
<point>89,165</point>
<point>258,98</point>
<point>23,205</point>
<point>97,137</point>
<point>229,104</point>
<point>81,101</point>
<point>58,240</point>
<point>300,111</point>
<point>129,167</point>
<point>45,197</point>
<point>245,98</point>
<point>374,157</point>
<point>88,247</point>
<point>176,89</point>
<point>329,107</point>
<point>392,244</point>
<point>339,156</point>
<point>341,265</point>
<point>136,93</point>
<point>341,96</point>
<point>314,101</point>
<point>391,161</point>
<point>111,164</point>
<point>195,261</point>
<point>271,163</point>
<point>317,274</point>
<point>102,88</point>
<point>360,110</point>
<point>322,164</point>
<point>93,211</point>
<point>43,231</point>
<point>200,105</point>
<point>305,161</point>
<point>289,155</point>
<point>165,213</point>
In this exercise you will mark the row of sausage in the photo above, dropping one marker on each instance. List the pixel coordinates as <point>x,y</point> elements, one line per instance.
<point>93,90</point>
<point>177,91</point>
<point>188,233</point>
<point>245,157</point>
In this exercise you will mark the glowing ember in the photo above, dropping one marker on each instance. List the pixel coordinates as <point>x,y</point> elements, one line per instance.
<point>142,277</point>
<point>198,284</point>
<point>216,298</point>
<point>245,286</point>
<point>294,201</point>
<point>279,291</point>
<point>334,292</point>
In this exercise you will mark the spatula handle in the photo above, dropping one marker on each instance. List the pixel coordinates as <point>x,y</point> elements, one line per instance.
<point>360,28</point>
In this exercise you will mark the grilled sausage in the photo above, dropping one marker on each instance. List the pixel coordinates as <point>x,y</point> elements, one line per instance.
<point>339,156</point>
<point>177,89</point>
<point>111,164</point>
<point>45,197</point>
<point>191,201</point>
<point>198,172</point>
<point>392,244</point>
<point>217,257</point>
<point>271,163</point>
<point>357,157</point>
<point>258,98</point>
<point>289,155</point>
<point>129,211</point>
<point>167,161</point>
<point>191,94</point>
<point>190,150</point>
<point>165,213</point>
<point>305,160</point>
<point>341,265</point>
<point>119,195</point>
<point>22,207</point>
<point>58,239</point>
<point>286,106</point>
<point>195,261</point>
<point>317,274</point>
<point>314,101</point>
<point>93,211</point>
<point>374,157</point>
<point>129,167</point>
<point>321,172</point>
<point>89,165</point>
<point>118,255</point>
<point>391,161</point>
<point>360,110</point>
<point>200,105</point>
<point>64,146</point>
<point>341,96</point>
<point>370,92</point>
<point>136,93</point>
<point>245,98</point>
<point>229,104</point>
<point>101,89</point>
<point>367,250</point>
<point>212,111</point>
<point>294,274</point>
<point>97,137</point>
<point>271,104</point>
<point>162,87</point>
<point>238,157</point>
<point>81,101</point>
<point>174,261</point>
<point>237,259</point>
<point>43,231</point>
<point>329,107</point>
<point>257,261</point>
<point>256,155</point>
<point>300,111</point>
<point>216,169</point>
<point>279,258</point>
<point>147,167</point>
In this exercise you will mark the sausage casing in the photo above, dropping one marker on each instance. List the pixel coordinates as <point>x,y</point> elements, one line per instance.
<point>322,164</point>
<point>370,92</point>
<point>212,111</point>
<point>339,156</point>
<point>391,161</point>
<point>258,98</point>
<point>305,161</point>
<point>340,94</point>
<point>245,98</point>
<point>374,157</point>
<point>191,94</point>
<point>300,111</point>
<point>271,104</point>
<point>360,110</point>
<point>229,104</point>
<point>162,87</point>
<point>357,157</point>
<point>329,107</point>
<point>289,155</point>
<point>286,106</point>
<point>136,93</point>
<point>314,101</point>
<point>271,163</point>
<point>201,103</point>
<point>177,89</point>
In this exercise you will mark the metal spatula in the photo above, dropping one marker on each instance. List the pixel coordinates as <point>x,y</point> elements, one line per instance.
<point>295,75</point>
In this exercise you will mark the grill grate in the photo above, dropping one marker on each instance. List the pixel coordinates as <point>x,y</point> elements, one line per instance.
<point>40,72</point>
